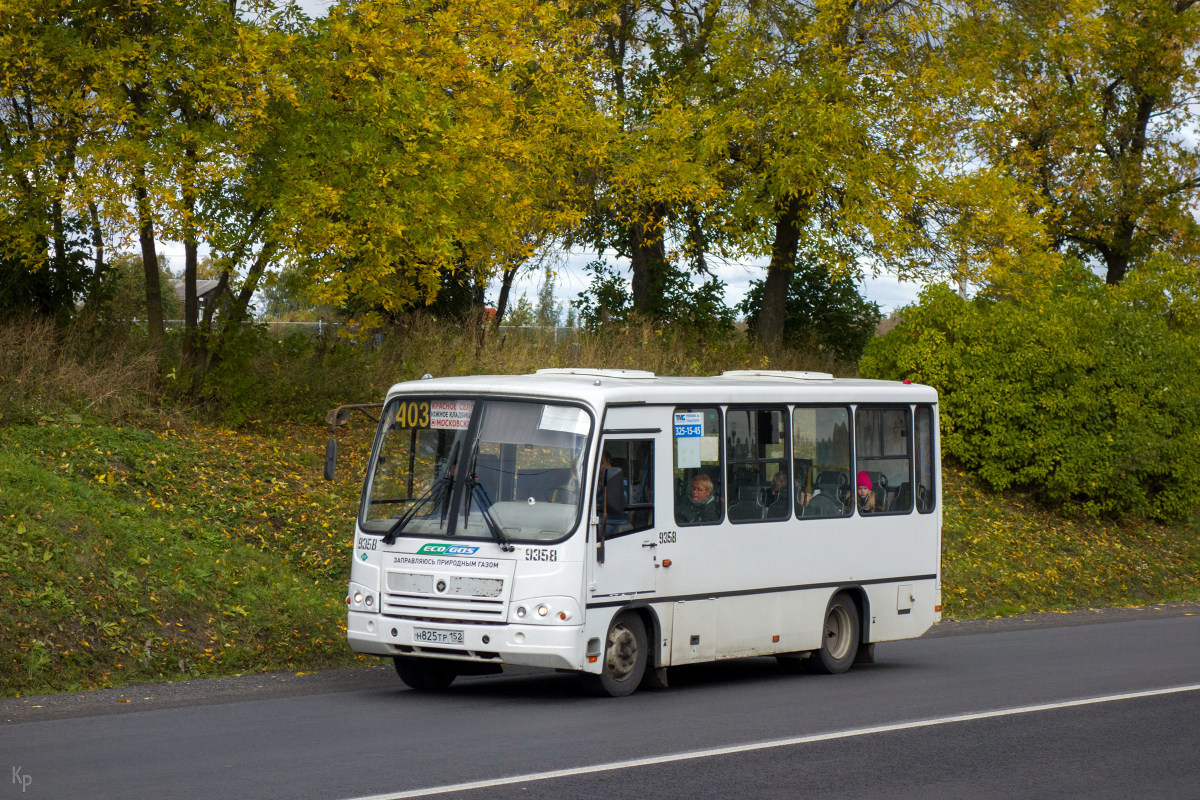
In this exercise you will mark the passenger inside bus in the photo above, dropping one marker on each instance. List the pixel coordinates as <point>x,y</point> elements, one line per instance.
<point>701,505</point>
<point>866,494</point>
<point>613,522</point>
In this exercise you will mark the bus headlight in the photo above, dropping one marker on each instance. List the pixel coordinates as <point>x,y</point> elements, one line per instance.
<point>361,598</point>
<point>547,611</point>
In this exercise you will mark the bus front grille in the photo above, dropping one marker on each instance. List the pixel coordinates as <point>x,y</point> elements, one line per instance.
<point>457,609</point>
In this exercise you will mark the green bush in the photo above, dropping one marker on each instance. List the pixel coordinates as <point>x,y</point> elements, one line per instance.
<point>823,310</point>
<point>1076,393</point>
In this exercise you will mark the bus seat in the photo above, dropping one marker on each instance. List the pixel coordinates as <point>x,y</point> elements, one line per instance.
<point>903,499</point>
<point>747,506</point>
<point>880,483</point>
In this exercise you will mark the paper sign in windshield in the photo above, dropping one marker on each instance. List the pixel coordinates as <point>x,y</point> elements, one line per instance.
<point>564,419</point>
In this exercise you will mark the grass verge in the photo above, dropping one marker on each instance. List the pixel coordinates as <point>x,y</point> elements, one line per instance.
<point>133,554</point>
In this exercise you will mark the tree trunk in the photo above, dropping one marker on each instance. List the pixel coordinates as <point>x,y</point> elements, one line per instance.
<point>779,272</point>
<point>507,274</point>
<point>191,303</point>
<point>1116,254</point>
<point>97,240</point>
<point>647,255</point>
<point>154,311</point>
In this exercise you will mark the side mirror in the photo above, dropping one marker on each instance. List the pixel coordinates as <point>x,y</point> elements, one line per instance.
<point>330,457</point>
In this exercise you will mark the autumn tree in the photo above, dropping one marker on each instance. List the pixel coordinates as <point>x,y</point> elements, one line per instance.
<point>46,237</point>
<point>1092,108</point>
<point>429,139</point>
<point>834,142</point>
<point>655,180</point>
<point>140,120</point>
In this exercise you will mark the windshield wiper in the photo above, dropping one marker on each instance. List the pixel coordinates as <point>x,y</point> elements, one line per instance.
<point>475,491</point>
<point>439,492</point>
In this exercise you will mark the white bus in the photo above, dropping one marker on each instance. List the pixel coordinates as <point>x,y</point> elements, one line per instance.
<point>616,523</point>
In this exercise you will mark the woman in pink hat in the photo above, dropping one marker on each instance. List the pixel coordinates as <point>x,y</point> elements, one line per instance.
<point>866,494</point>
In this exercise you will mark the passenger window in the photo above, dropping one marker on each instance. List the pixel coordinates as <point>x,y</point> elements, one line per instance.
<point>699,494</point>
<point>759,479</point>
<point>883,472</point>
<point>821,461</point>
<point>924,460</point>
<point>635,458</point>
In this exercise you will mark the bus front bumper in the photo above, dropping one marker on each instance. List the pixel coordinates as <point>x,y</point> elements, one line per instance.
<point>548,645</point>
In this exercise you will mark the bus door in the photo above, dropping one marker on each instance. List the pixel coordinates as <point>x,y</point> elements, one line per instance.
<point>624,538</point>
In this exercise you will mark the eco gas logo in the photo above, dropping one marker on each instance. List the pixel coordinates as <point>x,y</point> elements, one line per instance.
<point>448,549</point>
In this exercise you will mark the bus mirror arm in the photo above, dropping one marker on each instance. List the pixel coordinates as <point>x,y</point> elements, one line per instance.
<point>340,416</point>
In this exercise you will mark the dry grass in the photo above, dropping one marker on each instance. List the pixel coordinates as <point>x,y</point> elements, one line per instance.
<point>47,369</point>
<point>427,346</point>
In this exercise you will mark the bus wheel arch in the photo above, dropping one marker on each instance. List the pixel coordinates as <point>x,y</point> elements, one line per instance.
<point>841,633</point>
<point>625,655</point>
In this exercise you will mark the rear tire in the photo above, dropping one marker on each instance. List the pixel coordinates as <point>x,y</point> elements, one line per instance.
<point>839,638</point>
<point>425,674</point>
<point>625,657</point>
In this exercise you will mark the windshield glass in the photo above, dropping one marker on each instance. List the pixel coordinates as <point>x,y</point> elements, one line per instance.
<point>488,469</point>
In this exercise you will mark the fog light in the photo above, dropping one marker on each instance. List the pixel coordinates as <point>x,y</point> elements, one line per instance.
<point>542,611</point>
<point>370,600</point>
<point>357,597</point>
<point>521,612</point>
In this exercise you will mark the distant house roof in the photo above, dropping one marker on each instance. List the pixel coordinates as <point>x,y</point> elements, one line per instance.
<point>204,289</point>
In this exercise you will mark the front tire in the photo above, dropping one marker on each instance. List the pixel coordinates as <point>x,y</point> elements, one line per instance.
<point>425,674</point>
<point>839,638</point>
<point>625,657</point>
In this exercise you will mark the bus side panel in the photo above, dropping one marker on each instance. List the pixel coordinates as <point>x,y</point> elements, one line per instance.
<point>901,610</point>
<point>780,622</point>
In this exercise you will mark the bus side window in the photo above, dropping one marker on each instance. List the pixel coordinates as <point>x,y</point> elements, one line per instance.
<point>924,458</point>
<point>756,452</point>
<point>635,458</point>
<point>821,444</point>
<point>700,496</point>
<point>883,469</point>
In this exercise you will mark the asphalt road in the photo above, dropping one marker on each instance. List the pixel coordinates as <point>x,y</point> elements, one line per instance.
<point>1078,706</point>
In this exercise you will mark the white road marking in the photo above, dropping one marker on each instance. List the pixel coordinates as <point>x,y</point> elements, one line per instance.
<point>748,748</point>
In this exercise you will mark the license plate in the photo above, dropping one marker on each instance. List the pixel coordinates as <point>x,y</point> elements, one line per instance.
<point>433,636</point>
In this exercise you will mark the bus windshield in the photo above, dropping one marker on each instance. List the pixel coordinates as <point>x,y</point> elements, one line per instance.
<point>476,468</point>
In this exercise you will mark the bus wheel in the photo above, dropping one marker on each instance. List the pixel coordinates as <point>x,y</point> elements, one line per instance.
<point>839,638</point>
<point>425,674</point>
<point>625,654</point>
